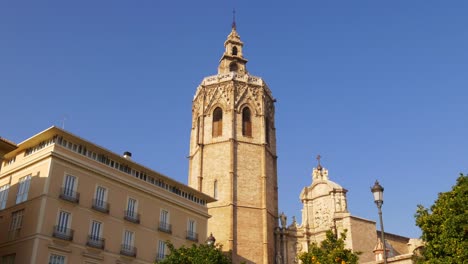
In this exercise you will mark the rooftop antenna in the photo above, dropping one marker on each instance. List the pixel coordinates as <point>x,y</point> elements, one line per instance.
<point>64,118</point>
<point>234,19</point>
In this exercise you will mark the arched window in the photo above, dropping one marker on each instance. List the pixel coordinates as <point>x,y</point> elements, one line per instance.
<point>215,189</point>
<point>217,122</point>
<point>234,51</point>
<point>246,123</point>
<point>233,67</point>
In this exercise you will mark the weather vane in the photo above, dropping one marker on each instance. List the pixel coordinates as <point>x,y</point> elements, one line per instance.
<point>234,18</point>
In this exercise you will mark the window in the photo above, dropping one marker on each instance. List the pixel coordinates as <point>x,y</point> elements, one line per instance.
<point>233,67</point>
<point>68,191</point>
<point>246,123</point>
<point>128,238</point>
<point>8,259</point>
<point>161,250</point>
<point>234,51</point>
<point>217,122</point>
<point>16,224</point>
<point>215,189</point>
<point>62,230</point>
<point>127,248</point>
<point>164,222</point>
<point>131,212</point>
<point>69,185</point>
<point>56,259</point>
<point>132,205</point>
<point>94,239</point>
<point>4,195</point>
<point>191,230</point>
<point>23,189</point>
<point>100,198</point>
<point>95,229</point>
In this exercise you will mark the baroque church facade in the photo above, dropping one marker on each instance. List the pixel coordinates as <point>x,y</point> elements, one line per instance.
<point>233,159</point>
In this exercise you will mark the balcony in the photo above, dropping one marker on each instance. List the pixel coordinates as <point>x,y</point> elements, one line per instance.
<point>127,250</point>
<point>192,236</point>
<point>132,216</point>
<point>69,195</point>
<point>95,242</point>
<point>165,227</point>
<point>63,233</point>
<point>101,206</point>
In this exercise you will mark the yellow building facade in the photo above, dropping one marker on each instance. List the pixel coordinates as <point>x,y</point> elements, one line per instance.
<point>64,199</point>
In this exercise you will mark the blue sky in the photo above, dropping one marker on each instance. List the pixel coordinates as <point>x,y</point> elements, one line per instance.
<point>378,88</point>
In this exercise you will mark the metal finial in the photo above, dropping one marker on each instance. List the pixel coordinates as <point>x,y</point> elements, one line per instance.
<point>234,19</point>
<point>319,167</point>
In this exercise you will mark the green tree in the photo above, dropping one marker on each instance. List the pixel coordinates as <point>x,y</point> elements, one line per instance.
<point>196,254</point>
<point>331,250</point>
<point>445,226</point>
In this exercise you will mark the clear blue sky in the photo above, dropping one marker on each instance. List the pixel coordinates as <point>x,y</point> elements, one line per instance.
<point>378,88</point>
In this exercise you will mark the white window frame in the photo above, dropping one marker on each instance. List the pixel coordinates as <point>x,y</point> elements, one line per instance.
<point>60,221</point>
<point>100,201</point>
<point>192,225</point>
<point>23,189</point>
<point>128,239</point>
<point>4,189</point>
<point>132,208</point>
<point>95,235</point>
<point>62,259</point>
<point>164,216</point>
<point>161,254</point>
<point>68,180</point>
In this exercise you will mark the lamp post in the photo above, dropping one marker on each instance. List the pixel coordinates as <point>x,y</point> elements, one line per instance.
<point>210,240</point>
<point>377,191</point>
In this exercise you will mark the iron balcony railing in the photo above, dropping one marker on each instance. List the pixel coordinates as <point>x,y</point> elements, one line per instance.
<point>165,227</point>
<point>101,206</point>
<point>69,195</point>
<point>160,256</point>
<point>132,216</point>
<point>63,233</point>
<point>95,242</point>
<point>128,250</point>
<point>192,236</point>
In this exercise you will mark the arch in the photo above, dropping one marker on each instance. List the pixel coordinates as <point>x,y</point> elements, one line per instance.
<point>233,67</point>
<point>217,128</point>
<point>246,122</point>
<point>234,51</point>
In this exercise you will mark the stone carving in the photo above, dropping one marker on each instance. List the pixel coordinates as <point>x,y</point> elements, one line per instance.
<point>322,216</point>
<point>218,95</point>
<point>283,219</point>
<point>248,94</point>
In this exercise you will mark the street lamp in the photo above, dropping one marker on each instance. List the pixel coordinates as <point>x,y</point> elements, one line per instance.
<point>377,191</point>
<point>210,240</point>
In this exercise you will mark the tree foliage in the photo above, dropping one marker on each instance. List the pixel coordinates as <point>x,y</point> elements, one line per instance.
<point>196,254</point>
<point>445,226</point>
<point>331,250</point>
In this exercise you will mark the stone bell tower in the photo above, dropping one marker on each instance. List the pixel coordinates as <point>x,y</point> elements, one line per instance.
<point>233,156</point>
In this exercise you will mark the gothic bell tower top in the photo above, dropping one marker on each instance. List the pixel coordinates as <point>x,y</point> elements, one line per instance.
<point>233,59</point>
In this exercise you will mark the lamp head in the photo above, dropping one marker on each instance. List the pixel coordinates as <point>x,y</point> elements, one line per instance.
<point>377,191</point>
